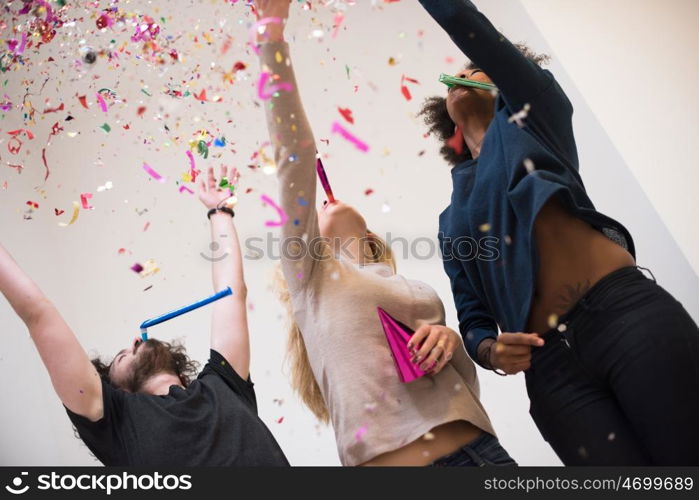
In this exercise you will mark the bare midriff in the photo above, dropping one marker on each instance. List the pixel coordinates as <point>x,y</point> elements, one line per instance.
<point>442,440</point>
<point>573,256</point>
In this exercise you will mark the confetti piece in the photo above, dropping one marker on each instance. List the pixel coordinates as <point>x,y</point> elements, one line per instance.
<point>17,47</point>
<point>528,165</point>
<point>137,268</point>
<point>484,228</point>
<point>368,191</point>
<point>102,102</point>
<point>83,199</point>
<point>280,420</point>
<point>324,180</point>
<point>282,215</point>
<point>220,142</point>
<point>155,175</point>
<point>520,116</point>
<point>74,217</point>
<point>266,93</point>
<point>106,127</point>
<point>58,212</point>
<point>33,204</point>
<point>359,435</point>
<point>337,128</point>
<point>339,18</point>
<point>552,320</point>
<point>346,114</point>
<point>54,110</point>
<point>404,88</point>
<point>193,172</point>
<point>185,188</point>
<point>83,101</point>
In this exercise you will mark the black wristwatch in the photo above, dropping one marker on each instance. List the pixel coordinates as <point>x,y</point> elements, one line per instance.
<point>220,209</point>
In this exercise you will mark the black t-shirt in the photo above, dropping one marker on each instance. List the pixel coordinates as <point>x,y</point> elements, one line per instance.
<point>212,422</point>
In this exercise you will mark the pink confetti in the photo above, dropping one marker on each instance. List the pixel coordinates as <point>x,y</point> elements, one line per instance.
<point>282,215</point>
<point>17,47</point>
<point>265,93</point>
<point>192,166</point>
<point>337,128</point>
<point>83,200</point>
<point>404,88</point>
<point>360,433</point>
<point>254,30</point>
<point>102,102</point>
<point>185,188</point>
<point>339,18</point>
<point>155,175</point>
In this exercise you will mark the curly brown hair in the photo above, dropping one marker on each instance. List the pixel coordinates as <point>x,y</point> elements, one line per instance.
<point>158,357</point>
<point>439,123</point>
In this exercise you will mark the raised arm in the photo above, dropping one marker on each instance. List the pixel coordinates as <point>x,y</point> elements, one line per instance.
<point>518,78</point>
<point>294,147</point>
<point>229,323</point>
<point>73,376</point>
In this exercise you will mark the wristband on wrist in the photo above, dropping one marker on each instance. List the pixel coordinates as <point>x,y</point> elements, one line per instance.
<point>220,209</point>
<point>484,354</point>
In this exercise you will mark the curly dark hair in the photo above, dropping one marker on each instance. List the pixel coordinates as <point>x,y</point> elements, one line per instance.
<point>158,357</point>
<point>439,123</point>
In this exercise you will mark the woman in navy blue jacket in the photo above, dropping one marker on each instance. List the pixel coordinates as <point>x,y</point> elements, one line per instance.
<point>611,359</point>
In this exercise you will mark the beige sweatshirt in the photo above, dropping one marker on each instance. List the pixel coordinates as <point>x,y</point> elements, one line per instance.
<point>335,305</point>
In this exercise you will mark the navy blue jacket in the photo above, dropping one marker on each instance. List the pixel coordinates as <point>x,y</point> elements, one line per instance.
<point>486,233</point>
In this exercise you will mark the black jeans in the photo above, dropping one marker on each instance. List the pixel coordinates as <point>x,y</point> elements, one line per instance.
<point>617,383</point>
<point>482,451</point>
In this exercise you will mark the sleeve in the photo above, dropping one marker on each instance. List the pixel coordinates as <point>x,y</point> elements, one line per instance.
<point>476,323</point>
<point>103,437</point>
<point>520,81</point>
<point>295,157</point>
<point>518,78</point>
<point>220,367</point>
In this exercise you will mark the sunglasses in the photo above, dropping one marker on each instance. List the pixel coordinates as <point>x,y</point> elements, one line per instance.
<point>451,81</point>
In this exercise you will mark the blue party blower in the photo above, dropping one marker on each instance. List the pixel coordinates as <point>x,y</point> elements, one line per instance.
<point>182,310</point>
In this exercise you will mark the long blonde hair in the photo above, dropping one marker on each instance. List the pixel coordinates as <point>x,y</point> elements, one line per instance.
<point>302,379</point>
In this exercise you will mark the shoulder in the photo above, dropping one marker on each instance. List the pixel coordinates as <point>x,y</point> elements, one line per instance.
<point>218,368</point>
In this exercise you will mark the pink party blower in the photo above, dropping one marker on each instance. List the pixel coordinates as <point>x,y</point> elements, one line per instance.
<point>324,180</point>
<point>398,335</point>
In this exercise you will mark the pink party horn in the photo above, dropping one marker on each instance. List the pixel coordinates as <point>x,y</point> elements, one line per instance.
<point>398,335</point>
<point>324,180</point>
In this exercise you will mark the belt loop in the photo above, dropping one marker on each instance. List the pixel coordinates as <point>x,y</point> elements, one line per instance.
<point>649,272</point>
<point>474,456</point>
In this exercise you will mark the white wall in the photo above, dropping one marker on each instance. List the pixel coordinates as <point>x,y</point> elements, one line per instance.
<point>635,62</point>
<point>80,270</point>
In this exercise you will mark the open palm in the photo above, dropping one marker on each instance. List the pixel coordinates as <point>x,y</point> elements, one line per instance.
<point>211,193</point>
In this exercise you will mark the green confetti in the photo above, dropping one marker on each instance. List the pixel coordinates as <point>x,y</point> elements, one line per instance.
<point>146,92</point>
<point>203,149</point>
<point>347,70</point>
<point>106,128</point>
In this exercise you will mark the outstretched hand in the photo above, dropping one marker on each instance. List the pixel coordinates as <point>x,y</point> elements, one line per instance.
<point>216,193</point>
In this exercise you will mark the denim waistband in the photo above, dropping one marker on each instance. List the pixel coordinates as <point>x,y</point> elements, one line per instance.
<point>601,289</point>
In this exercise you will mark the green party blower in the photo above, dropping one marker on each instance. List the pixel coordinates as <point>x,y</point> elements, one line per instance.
<point>450,81</point>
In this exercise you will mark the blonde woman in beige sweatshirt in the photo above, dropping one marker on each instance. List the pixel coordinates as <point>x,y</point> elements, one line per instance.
<point>341,362</point>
